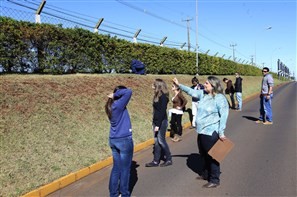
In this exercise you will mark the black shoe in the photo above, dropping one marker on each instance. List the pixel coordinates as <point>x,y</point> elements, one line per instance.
<point>152,164</point>
<point>211,185</point>
<point>166,163</point>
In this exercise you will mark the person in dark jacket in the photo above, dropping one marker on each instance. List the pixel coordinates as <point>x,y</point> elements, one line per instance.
<point>230,91</point>
<point>120,140</point>
<point>160,123</point>
<point>238,91</point>
<point>138,67</point>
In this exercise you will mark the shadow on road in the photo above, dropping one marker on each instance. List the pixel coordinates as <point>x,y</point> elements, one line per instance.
<point>194,162</point>
<point>133,175</point>
<point>250,118</point>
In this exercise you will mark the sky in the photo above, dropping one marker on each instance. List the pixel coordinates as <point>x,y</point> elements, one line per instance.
<point>261,31</point>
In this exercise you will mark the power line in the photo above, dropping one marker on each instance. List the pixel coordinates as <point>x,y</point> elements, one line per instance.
<point>64,11</point>
<point>149,13</point>
<point>22,5</point>
<point>85,25</point>
<point>167,20</point>
<point>61,12</point>
<point>142,37</point>
<point>72,21</point>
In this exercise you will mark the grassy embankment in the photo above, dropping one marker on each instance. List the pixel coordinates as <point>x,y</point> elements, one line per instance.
<point>51,126</point>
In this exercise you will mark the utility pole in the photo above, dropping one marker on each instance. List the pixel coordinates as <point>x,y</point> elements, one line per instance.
<point>197,52</point>
<point>233,45</point>
<point>188,30</point>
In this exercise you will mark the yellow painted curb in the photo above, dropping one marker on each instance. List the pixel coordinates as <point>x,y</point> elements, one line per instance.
<point>187,125</point>
<point>140,146</point>
<point>95,167</point>
<point>71,178</point>
<point>49,188</point>
<point>33,193</point>
<point>105,162</point>
<point>68,179</point>
<point>82,173</point>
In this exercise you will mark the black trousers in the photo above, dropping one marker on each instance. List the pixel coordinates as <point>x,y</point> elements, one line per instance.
<point>211,167</point>
<point>175,124</point>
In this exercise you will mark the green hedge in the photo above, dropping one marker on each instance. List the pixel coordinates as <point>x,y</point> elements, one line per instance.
<point>46,48</point>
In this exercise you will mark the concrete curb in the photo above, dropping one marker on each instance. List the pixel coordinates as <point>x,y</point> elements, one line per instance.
<point>72,177</point>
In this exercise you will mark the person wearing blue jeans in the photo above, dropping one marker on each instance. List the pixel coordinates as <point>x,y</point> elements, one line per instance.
<point>160,123</point>
<point>266,109</point>
<point>238,91</point>
<point>266,98</point>
<point>122,153</point>
<point>160,142</point>
<point>120,141</point>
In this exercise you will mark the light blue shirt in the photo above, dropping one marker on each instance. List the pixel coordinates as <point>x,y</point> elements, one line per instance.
<point>212,111</point>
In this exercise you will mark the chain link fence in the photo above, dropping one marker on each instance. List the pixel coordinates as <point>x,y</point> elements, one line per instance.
<point>21,15</point>
<point>76,22</point>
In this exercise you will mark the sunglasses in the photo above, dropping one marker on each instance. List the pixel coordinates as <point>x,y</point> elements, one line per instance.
<point>264,71</point>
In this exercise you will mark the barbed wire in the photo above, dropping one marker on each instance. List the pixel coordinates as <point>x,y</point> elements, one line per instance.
<point>67,22</point>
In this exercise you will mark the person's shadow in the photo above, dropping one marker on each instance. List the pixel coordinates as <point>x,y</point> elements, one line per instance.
<point>195,162</point>
<point>133,176</point>
<point>250,118</point>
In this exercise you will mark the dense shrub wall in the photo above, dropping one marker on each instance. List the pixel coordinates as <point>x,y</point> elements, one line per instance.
<point>50,49</point>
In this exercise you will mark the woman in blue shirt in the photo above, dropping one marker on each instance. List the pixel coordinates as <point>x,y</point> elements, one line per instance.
<point>211,122</point>
<point>120,140</point>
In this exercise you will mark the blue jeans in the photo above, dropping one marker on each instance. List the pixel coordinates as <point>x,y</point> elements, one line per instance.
<point>239,100</point>
<point>265,108</point>
<point>122,153</point>
<point>160,142</point>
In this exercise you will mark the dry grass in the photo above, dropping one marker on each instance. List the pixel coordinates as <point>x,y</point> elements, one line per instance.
<point>54,125</point>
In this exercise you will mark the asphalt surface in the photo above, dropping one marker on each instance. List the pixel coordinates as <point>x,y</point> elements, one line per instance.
<point>262,162</point>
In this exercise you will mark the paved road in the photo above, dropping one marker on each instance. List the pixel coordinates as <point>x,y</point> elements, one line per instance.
<point>262,163</point>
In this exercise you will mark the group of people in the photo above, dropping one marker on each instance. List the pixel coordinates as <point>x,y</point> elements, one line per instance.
<point>210,118</point>
<point>236,89</point>
<point>266,95</point>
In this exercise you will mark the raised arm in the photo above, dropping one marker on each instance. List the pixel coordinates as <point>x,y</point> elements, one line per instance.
<point>124,96</point>
<point>193,93</point>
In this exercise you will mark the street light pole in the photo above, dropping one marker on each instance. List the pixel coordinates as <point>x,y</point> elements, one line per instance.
<point>197,56</point>
<point>255,57</point>
<point>272,55</point>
